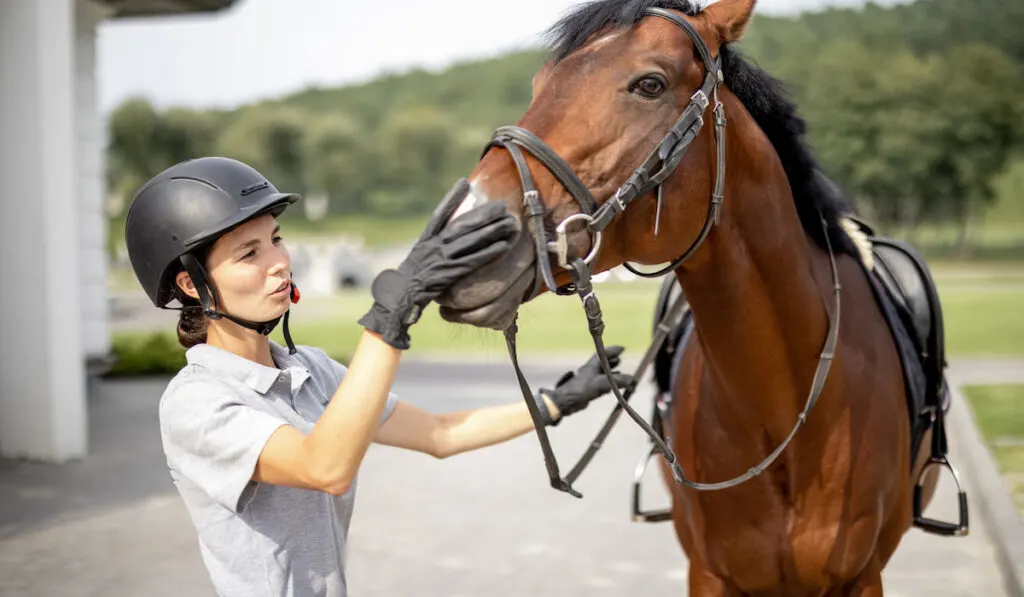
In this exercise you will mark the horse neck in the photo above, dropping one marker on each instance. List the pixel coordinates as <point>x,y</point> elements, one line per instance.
<point>756,287</point>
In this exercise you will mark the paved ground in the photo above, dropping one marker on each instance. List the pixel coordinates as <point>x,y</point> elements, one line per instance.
<point>478,523</point>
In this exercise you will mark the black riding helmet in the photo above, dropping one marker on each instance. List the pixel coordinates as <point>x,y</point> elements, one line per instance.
<point>183,210</point>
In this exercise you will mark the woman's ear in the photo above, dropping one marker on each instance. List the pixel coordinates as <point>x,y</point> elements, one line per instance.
<point>184,282</point>
<point>729,18</point>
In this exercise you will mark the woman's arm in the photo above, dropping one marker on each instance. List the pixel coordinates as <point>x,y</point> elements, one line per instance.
<point>448,434</point>
<point>327,459</point>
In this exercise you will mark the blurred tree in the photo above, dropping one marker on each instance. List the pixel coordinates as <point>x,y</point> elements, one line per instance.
<point>416,146</point>
<point>340,162</point>
<point>980,104</point>
<point>913,108</point>
<point>270,139</point>
<point>133,151</point>
<point>142,142</point>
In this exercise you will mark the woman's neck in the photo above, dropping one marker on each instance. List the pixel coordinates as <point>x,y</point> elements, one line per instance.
<point>246,343</point>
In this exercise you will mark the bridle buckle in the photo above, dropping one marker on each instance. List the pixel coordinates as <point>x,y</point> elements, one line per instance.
<point>560,246</point>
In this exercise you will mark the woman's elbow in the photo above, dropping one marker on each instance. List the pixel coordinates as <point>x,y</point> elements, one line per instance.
<point>333,483</point>
<point>440,451</point>
<point>338,488</point>
<point>329,477</point>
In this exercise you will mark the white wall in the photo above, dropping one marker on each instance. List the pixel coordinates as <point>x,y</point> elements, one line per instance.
<point>42,380</point>
<point>90,131</point>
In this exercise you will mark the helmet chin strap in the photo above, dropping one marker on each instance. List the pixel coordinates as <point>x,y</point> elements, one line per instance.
<point>201,281</point>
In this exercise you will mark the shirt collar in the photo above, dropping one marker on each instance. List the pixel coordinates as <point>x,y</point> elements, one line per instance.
<point>256,376</point>
<point>297,370</point>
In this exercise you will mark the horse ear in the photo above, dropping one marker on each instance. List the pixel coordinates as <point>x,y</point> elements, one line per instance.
<point>729,18</point>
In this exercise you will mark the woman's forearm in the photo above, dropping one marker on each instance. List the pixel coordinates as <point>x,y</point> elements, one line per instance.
<point>339,440</point>
<point>473,429</point>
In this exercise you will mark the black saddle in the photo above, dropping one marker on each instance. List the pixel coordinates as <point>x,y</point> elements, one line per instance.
<point>906,293</point>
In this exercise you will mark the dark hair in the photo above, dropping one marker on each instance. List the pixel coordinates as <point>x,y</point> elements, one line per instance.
<point>192,323</point>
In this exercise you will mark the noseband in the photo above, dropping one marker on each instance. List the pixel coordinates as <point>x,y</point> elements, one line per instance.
<point>650,176</point>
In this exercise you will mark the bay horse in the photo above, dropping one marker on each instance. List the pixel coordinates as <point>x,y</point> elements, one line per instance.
<point>612,159</point>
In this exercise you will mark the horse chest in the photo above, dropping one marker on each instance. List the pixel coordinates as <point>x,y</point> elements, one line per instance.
<point>792,551</point>
<point>763,540</point>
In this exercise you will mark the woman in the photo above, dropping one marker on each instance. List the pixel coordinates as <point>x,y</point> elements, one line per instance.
<point>263,443</point>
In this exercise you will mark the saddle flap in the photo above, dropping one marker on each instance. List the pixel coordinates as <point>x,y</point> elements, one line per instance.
<point>908,282</point>
<point>907,285</point>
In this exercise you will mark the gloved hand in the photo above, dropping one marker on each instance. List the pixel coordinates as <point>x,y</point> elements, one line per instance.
<point>442,255</point>
<point>576,389</point>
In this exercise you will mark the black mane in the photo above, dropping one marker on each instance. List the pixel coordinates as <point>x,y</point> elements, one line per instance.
<point>764,96</point>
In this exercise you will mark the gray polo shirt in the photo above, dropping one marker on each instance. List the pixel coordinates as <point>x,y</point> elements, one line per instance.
<point>215,417</point>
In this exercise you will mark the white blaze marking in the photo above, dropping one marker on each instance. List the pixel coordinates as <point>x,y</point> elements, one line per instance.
<point>469,202</point>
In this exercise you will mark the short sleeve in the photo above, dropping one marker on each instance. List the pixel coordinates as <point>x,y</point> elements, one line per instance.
<point>339,372</point>
<point>214,439</point>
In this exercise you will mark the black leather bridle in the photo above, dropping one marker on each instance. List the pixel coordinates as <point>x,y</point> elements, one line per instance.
<point>658,166</point>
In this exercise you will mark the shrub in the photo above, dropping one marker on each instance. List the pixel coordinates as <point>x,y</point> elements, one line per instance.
<point>146,354</point>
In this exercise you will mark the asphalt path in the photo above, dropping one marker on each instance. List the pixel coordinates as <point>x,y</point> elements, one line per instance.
<point>479,523</point>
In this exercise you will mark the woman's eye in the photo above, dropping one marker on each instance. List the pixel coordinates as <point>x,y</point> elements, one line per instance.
<point>650,86</point>
<point>249,254</point>
<point>277,239</point>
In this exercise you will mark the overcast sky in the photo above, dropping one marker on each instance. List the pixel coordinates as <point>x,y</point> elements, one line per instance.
<point>267,48</point>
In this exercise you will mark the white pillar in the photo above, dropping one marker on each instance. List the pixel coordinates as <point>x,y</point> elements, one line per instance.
<point>42,379</point>
<point>91,184</point>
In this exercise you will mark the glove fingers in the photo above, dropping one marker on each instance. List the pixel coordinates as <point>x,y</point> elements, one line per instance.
<point>614,355</point>
<point>444,210</point>
<point>601,385</point>
<point>475,219</point>
<point>623,380</point>
<point>502,230</point>
<point>614,358</point>
<point>479,258</point>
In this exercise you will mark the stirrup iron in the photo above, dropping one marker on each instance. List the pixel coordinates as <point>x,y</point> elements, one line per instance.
<point>939,527</point>
<point>640,515</point>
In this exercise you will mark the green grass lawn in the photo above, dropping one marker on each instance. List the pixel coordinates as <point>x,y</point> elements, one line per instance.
<point>982,308</point>
<point>987,321</point>
<point>999,411</point>
<point>550,325</point>
<point>983,317</point>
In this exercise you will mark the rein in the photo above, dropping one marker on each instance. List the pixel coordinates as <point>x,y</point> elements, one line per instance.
<point>650,175</point>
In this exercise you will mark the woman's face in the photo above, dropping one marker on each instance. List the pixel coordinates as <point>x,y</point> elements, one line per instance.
<point>251,270</point>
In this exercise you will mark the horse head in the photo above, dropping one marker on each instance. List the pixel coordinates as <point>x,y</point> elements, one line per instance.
<point>629,103</point>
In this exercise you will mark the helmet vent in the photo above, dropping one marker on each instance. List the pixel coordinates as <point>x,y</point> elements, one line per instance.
<point>253,188</point>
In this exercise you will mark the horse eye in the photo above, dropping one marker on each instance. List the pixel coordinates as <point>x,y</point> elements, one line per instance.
<point>650,86</point>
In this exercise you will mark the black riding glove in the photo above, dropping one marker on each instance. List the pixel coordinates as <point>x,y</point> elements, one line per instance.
<point>441,256</point>
<point>576,389</point>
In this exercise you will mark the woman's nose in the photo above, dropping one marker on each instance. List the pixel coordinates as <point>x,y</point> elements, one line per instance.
<point>282,260</point>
